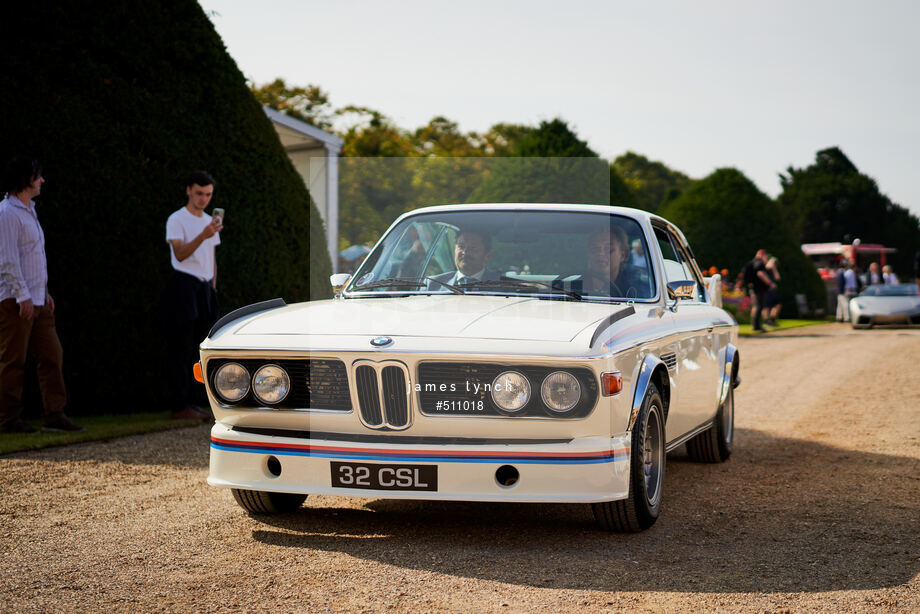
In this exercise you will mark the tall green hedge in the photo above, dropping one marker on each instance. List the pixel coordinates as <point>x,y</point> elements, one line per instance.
<point>727,219</point>
<point>120,101</point>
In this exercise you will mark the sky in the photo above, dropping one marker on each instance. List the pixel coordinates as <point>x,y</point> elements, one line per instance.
<point>758,86</point>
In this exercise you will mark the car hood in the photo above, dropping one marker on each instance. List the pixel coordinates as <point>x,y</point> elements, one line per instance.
<point>494,317</point>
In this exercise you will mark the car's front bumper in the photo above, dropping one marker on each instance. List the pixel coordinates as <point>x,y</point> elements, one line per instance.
<point>587,469</point>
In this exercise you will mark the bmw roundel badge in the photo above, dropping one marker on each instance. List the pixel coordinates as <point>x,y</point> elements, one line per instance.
<point>379,342</point>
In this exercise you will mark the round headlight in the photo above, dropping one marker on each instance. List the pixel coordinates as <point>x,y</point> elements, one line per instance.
<point>511,391</point>
<point>271,384</point>
<point>560,391</point>
<point>231,382</point>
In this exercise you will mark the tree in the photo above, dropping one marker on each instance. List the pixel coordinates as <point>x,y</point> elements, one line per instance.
<point>442,137</point>
<point>727,219</point>
<point>120,102</point>
<point>651,183</point>
<point>552,139</point>
<point>545,180</point>
<point>502,139</point>
<point>559,167</point>
<point>309,104</point>
<point>831,200</point>
<point>372,134</point>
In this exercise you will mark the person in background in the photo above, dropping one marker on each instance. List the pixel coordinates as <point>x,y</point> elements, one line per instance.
<point>761,283</point>
<point>27,323</point>
<point>637,254</point>
<point>888,275</point>
<point>917,268</point>
<point>772,306</point>
<point>843,309</point>
<point>852,285</point>
<point>873,276</point>
<point>190,303</point>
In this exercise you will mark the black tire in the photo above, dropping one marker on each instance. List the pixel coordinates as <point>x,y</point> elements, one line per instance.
<point>714,445</point>
<point>262,502</point>
<point>646,473</point>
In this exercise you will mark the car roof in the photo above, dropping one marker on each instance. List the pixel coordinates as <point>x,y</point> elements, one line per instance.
<point>638,214</point>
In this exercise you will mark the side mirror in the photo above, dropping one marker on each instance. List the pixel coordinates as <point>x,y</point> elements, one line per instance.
<point>678,290</point>
<point>338,282</point>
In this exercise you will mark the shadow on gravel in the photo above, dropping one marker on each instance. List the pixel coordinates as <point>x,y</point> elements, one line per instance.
<point>781,516</point>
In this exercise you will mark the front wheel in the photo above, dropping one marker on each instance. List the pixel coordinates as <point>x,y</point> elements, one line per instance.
<point>640,509</point>
<point>262,502</point>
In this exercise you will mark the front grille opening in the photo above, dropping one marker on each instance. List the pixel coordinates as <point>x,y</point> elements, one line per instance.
<point>368,399</point>
<point>394,396</point>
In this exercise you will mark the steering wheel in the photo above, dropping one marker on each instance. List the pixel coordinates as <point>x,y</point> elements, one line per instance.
<point>586,274</point>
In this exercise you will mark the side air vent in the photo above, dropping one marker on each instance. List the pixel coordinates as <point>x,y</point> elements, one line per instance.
<point>670,360</point>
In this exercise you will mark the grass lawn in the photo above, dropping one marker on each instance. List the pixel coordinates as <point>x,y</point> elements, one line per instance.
<point>97,427</point>
<point>745,330</point>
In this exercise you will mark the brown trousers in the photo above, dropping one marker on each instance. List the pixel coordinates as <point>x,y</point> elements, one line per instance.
<point>18,338</point>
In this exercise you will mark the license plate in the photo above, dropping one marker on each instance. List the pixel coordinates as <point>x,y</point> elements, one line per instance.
<point>384,477</point>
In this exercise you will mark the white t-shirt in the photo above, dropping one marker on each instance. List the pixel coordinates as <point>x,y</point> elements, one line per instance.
<point>185,226</point>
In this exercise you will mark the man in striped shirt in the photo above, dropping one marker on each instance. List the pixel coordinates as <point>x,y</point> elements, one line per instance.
<point>26,308</point>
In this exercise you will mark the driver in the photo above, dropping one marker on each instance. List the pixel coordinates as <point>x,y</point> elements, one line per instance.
<point>471,253</point>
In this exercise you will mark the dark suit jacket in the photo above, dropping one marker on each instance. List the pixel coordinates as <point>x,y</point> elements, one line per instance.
<point>487,275</point>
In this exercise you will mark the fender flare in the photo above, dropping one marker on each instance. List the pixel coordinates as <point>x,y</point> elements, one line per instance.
<point>646,371</point>
<point>730,364</point>
<point>245,311</point>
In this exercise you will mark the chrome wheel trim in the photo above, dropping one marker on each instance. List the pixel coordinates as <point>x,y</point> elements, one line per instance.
<point>652,455</point>
<point>728,418</point>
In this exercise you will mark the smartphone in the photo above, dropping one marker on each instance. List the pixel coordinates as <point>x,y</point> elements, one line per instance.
<point>218,214</point>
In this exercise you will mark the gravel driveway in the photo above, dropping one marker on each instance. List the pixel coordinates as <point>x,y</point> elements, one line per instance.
<point>818,509</point>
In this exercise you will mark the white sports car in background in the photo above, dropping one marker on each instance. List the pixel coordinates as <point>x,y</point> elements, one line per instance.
<point>890,304</point>
<point>518,353</point>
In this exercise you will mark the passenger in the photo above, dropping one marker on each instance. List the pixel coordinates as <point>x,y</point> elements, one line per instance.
<point>609,273</point>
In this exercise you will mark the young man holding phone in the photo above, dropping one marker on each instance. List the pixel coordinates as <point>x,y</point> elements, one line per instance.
<point>190,305</point>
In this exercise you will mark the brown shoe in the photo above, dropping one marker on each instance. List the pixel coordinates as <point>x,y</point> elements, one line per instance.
<point>18,426</point>
<point>62,424</point>
<point>190,413</point>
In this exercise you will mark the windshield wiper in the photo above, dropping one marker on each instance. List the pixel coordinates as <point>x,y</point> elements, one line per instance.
<point>405,282</point>
<point>507,282</point>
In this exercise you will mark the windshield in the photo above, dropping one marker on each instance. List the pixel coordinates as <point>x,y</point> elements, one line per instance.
<point>565,254</point>
<point>891,290</point>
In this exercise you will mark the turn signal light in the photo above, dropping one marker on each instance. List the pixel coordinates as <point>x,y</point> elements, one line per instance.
<point>611,383</point>
<point>196,370</point>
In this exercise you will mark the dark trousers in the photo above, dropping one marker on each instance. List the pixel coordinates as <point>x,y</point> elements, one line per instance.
<point>18,338</point>
<point>189,311</point>
<point>758,300</point>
